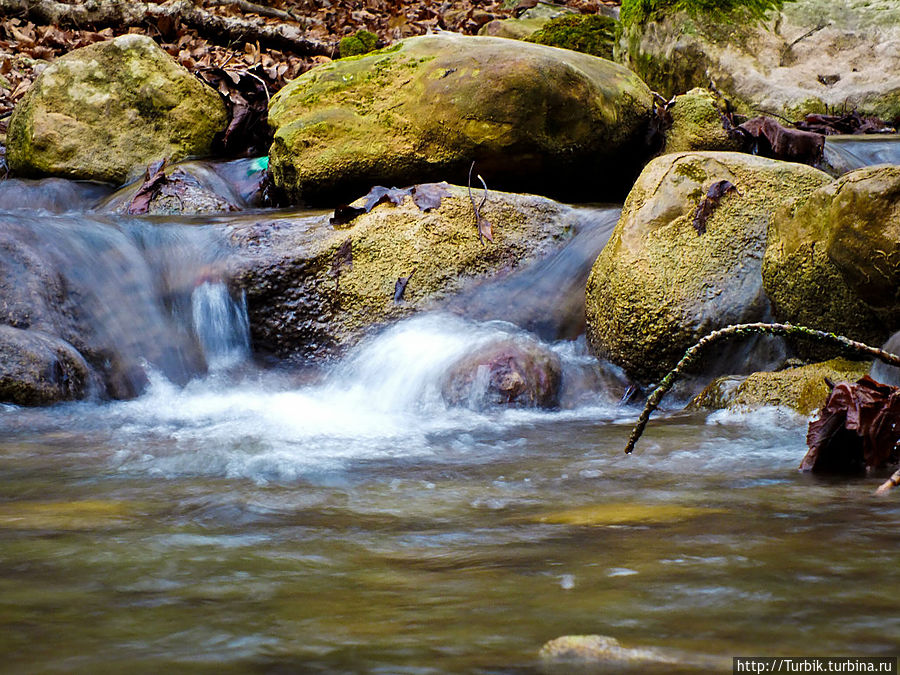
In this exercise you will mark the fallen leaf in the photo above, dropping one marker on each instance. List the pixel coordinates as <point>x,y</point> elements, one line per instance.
<point>709,203</point>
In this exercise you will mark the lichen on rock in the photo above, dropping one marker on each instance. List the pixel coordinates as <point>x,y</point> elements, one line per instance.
<point>803,389</point>
<point>533,118</point>
<point>105,111</point>
<point>659,285</point>
<point>833,258</point>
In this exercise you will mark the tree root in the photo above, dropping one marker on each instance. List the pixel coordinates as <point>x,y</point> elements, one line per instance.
<point>741,330</point>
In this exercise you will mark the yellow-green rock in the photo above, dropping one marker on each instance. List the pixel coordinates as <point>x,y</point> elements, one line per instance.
<point>104,112</point>
<point>532,118</point>
<point>601,653</point>
<point>309,297</point>
<point>776,64</point>
<point>802,389</point>
<point>514,29</point>
<point>659,285</point>
<point>697,124</point>
<point>833,260</point>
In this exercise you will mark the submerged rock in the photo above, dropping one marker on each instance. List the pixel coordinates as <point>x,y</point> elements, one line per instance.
<point>660,284</point>
<point>777,65</point>
<point>532,118</point>
<point>517,372</point>
<point>37,368</point>
<point>833,260</point>
<point>600,653</point>
<point>314,289</point>
<point>104,112</point>
<point>803,389</point>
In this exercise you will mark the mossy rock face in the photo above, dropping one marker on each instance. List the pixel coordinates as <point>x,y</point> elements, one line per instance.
<point>361,42</point>
<point>104,112</point>
<point>833,261</point>
<point>588,33</point>
<point>38,369</point>
<point>764,66</point>
<point>659,285</point>
<point>310,293</point>
<point>533,118</point>
<point>802,389</point>
<point>697,124</point>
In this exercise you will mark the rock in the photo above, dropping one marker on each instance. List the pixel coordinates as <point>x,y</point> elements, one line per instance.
<point>606,653</point>
<point>39,369</point>
<point>190,188</point>
<point>776,65</point>
<point>106,111</point>
<point>697,124</point>
<point>518,372</point>
<point>659,285</point>
<point>532,118</point>
<point>803,389</point>
<point>90,286</point>
<point>833,260</point>
<point>311,293</point>
<point>514,29</point>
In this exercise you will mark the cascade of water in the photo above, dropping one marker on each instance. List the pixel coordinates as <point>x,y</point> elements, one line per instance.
<point>846,153</point>
<point>220,324</point>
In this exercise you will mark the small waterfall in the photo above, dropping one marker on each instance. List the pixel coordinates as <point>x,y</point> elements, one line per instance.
<point>220,324</point>
<point>846,153</point>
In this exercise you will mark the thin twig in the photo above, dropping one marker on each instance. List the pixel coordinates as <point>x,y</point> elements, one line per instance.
<point>741,330</point>
<point>889,484</point>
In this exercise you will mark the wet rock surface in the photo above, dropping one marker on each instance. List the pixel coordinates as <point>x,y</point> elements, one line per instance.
<point>517,373</point>
<point>313,289</point>
<point>38,369</point>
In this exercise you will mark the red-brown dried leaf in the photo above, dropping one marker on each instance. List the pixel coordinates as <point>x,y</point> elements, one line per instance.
<point>857,429</point>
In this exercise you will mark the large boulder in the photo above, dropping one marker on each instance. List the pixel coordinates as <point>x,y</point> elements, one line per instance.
<point>532,118</point>
<point>37,368</point>
<point>314,289</point>
<point>833,261</point>
<point>803,389</point>
<point>667,278</point>
<point>777,65</point>
<point>104,112</point>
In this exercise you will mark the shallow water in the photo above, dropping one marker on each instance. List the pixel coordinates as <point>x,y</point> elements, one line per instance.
<point>250,522</point>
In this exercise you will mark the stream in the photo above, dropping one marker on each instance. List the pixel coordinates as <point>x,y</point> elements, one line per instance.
<point>235,519</point>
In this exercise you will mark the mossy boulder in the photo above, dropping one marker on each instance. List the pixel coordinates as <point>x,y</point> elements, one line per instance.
<point>833,260</point>
<point>104,112</point>
<point>532,118</point>
<point>314,289</point>
<point>660,285</point>
<point>776,64</point>
<point>37,368</point>
<point>588,33</point>
<point>697,124</point>
<point>803,389</point>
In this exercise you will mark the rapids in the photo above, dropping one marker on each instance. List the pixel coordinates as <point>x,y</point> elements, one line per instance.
<point>239,519</point>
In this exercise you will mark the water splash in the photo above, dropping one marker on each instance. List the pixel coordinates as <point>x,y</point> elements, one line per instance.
<point>221,325</point>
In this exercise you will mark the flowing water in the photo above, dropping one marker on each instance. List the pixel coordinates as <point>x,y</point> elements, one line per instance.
<point>846,153</point>
<point>254,521</point>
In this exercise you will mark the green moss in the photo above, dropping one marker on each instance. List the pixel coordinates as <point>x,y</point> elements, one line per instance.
<point>362,42</point>
<point>637,12</point>
<point>588,33</point>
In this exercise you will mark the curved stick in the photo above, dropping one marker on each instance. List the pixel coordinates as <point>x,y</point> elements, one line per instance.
<point>740,330</point>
